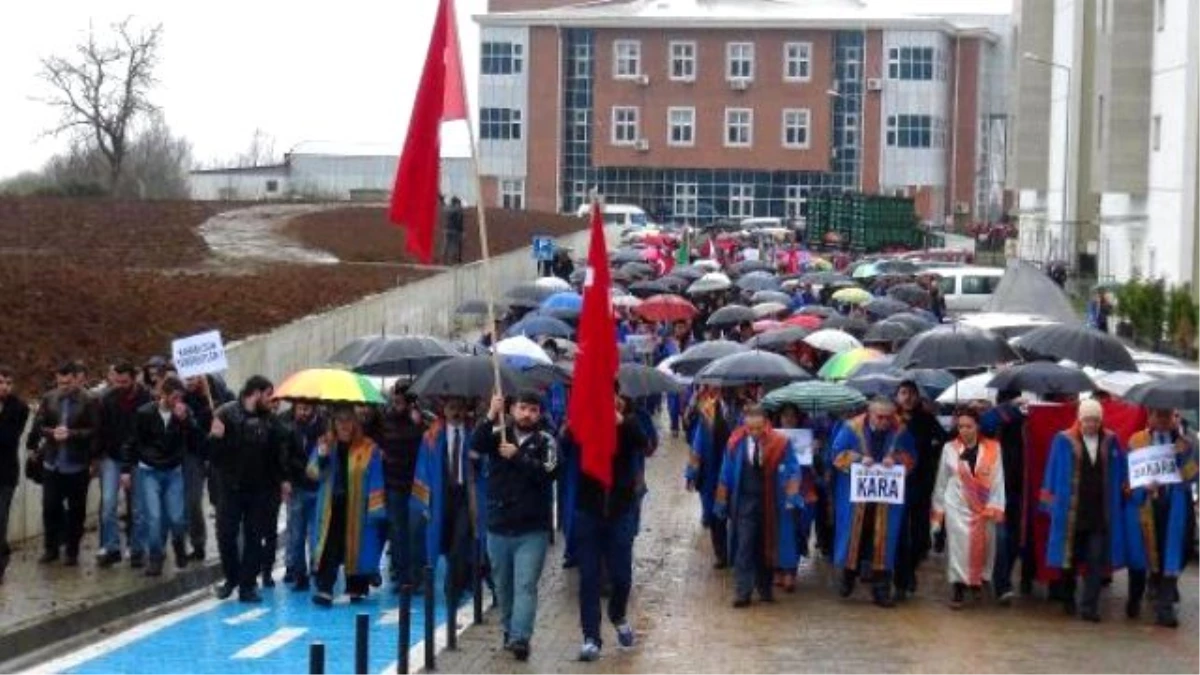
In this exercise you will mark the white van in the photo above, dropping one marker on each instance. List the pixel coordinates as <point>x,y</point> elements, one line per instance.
<point>967,288</point>
<point>625,215</point>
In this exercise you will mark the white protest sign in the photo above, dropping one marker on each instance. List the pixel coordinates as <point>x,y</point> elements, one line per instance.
<point>199,354</point>
<point>877,484</point>
<point>1155,464</point>
<point>750,254</point>
<point>802,442</point>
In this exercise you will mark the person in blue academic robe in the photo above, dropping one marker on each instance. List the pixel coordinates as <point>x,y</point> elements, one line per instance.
<point>1156,523</point>
<point>715,418</point>
<point>676,343</point>
<point>867,535</point>
<point>450,491</point>
<point>1083,493</point>
<point>759,493</point>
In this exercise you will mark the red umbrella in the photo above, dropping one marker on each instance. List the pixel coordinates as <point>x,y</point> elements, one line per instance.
<point>804,321</point>
<point>665,307</point>
<point>765,325</point>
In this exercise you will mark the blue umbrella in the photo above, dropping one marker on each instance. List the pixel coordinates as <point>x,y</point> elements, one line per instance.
<point>564,301</point>
<point>540,325</point>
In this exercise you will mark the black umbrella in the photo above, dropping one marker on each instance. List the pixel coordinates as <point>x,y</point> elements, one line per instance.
<point>540,325</point>
<point>353,352</point>
<point>897,267</point>
<point>1042,378</point>
<point>688,273</point>
<point>770,296</point>
<point>647,288</point>
<point>823,278</point>
<point>955,347</point>
<point>468,348</point>
<point>626,255</point>
<point>872,382</point>
<point>914,322</point>
<point>397,355</point>
<point>778,340</point>
<point>640,381</point>
<point>852,325</point>
<point>881,308</point>
<point>887,331</point>
<point>913,294</point>
<point>747,266</point>
<point>757,281</point>
<point>542,375</point>
<point>676,285</point>
<point>620,277</point>
<point>467,376</point>
<point>1175,393</point>
<point>871,385</point>
<point>477,307</point>
<point>730,315</point>
<point>751,367</point>
<point>693,359</point>
<point>817,310</point>
<point>527,294</point>
<point>637,270</point>
<point>1085,346</point>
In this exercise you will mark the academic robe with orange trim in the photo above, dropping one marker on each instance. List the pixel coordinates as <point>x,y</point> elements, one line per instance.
<point>366,505</point>
<point>969,502</point>
<point>781,496</point>
<point>853,442</point>
<point>1156,521</point>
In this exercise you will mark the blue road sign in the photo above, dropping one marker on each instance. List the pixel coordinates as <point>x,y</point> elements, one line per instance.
<point>543,248</point>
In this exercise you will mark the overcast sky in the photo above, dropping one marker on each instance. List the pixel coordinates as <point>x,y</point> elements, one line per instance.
<point>340,71</point>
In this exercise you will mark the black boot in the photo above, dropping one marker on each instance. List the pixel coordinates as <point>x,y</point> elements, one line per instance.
<point>155,568</point>
<point>958,596</point>
<point>846,587</point>
<point>181,556</point>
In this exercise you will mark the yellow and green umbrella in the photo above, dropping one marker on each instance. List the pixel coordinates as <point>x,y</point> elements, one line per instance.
<point>841,365</point>
<point>329,385</point>
<point>853,296</point>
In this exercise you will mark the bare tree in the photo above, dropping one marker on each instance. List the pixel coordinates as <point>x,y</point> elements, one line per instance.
<point>102,88</point>
<point>260,152</point>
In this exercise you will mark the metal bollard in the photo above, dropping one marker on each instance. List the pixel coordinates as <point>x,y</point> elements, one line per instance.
<point>316,658</point>
<point>430,646</point>
<point>362,628</point>
<point>477,578</point>
<point>405,629</point>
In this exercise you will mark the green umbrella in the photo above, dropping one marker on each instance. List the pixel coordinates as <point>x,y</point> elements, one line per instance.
<point>866,270</point>
<point>815,396</point>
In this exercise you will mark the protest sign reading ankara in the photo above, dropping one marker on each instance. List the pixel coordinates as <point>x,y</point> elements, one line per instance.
<point>1154,464</point>
<point>199,354</point>
<point>877,484</point>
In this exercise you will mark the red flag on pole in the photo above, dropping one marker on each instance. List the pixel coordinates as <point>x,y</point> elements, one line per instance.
<point>592,411</point>
<point>440,98</point>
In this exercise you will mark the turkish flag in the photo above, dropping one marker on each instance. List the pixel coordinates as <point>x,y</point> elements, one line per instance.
<point>592,410</point>
<point>440,98</point>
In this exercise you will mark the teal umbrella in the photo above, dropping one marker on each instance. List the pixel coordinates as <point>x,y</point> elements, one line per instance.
<point>815,396</point>
<point>866,270</point>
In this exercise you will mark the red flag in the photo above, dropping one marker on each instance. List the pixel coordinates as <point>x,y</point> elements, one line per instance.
<point>440,98</point>
<point>592,411</point>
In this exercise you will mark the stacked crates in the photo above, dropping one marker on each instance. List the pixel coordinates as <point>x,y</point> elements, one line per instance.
<point>862,223</point>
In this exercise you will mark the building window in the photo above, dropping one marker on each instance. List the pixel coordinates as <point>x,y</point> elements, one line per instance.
<point>579,126</point>
<point>579,191</point>
<point>683,61</point>
<point>681,126</point>
<point>853,64</point>
<point>850,130</point>
<point>911,63</point>
<point>624,125</point>
<point>795,128</point>
<point>741,200</point>
<point>685,202</point>
<point>794,201</point>
<point>910,131</point>
<point>739,127</point>
<point>501,58</point>
<point>512,193</point>
<point>273,185</point>
<point>1160,15</point>
<point>581,60</point>
<point>1156,132</point>
<point>499,124</point>
<point>797,61</point>
<point>739,61</point>
<point>627,59</point>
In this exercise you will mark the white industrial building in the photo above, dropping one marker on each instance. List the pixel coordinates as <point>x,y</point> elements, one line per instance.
<point>1105,145</point>
<point>325,171</point>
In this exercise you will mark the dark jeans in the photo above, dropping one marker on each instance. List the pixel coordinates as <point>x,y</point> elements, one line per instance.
<point>64,503</point>
<point>406,539</point>
<point>458,545</point>
<point>270,532</point>
<point>1091,549</point>
<point>194,470</point>
<point>608,543</point>
<point>334,555</point>
<point>240,520</point>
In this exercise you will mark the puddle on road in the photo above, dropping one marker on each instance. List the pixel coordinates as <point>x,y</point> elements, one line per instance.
<point>253,234</point>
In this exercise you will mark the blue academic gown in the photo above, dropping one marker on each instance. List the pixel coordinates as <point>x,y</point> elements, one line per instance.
<point>705,457</point>
<point>780,514</point>
<point>852,442</point>
<point>1157,542</point>
<point>1059,499</point>
<point>429,487</point>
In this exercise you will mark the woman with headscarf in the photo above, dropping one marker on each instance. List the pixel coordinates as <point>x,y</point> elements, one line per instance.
<point>351,505</point>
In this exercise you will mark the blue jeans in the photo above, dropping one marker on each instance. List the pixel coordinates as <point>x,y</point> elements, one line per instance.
<point>162,495</point>
<point>110,526</point>
<point>597,540</point>
<point>516,568</point>
<point>406,538</point>
<point>301,514</point>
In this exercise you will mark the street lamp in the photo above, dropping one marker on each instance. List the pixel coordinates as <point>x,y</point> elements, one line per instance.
<point>1030,56</point>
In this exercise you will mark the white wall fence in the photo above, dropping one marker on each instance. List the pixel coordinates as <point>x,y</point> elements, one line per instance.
<point>422,307</point>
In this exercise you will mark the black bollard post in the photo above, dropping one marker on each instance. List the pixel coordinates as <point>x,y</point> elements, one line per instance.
<point>405,629</point>
<point>477,578</point>
<point>362,628</point>
<point>316,658</point>
<point>430,646</point>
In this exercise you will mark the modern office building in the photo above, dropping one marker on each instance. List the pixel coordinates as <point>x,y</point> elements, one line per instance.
<point>702,109</point>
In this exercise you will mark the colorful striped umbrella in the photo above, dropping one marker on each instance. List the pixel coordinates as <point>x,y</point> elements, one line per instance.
<point>841,365</point>
<point>329,385</point>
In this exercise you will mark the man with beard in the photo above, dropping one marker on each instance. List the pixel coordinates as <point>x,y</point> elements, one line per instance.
<point>306,425</point>
<point>928,437</point>
<point>398,431</point>
<point>118,414</point>
<point>522,460</point>
<point>248,451</point>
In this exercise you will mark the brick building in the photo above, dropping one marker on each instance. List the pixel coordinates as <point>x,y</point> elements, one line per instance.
<point>698,109</point>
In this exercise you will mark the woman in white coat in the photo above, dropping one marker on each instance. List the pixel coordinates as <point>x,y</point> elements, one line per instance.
<point>968,501</point>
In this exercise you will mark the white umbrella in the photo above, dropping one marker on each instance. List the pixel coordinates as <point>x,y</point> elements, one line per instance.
<point>707,264</point>
<point>1118,382</point>
<point>832,340</point>
<point>972,388</point>
<point>552,283</point>
<point>713,281</point>
<point>522,347</point>
<point>665,367</point>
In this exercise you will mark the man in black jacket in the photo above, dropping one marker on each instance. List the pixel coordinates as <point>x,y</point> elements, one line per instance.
<point>398,431</point>
<point>604,529</point>
<point>13,415</point>
<point>928,438</point>
<point>118,412</point>
<point>202,394</point>
<point>522,460</point>
<point>164,432</point>
<point>307,425</point>
<point>64,438</point>
<point>248,451</point>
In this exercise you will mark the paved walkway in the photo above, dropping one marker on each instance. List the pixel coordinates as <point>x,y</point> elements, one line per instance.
<point>682,614</point>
